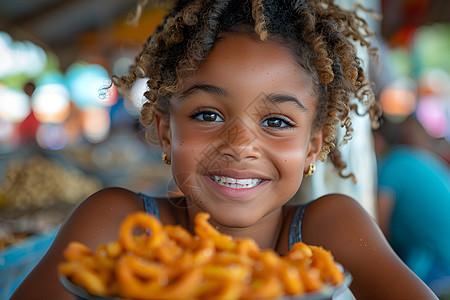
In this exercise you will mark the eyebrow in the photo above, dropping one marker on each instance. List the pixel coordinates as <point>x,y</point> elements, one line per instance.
<point>219,91</point>
<point>280,98</point>
<point>207,88</point>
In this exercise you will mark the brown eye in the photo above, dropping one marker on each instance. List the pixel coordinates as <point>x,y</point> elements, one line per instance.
<point>211,117</point>
<point>274,123</point>
<point>208,116</point>
<point>277,123</point>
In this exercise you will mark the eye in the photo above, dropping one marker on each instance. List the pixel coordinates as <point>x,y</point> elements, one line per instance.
<point>277,122</point>
<point>207,116</point>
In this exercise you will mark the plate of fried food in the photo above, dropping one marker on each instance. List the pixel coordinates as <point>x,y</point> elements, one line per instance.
<point>168,262</point>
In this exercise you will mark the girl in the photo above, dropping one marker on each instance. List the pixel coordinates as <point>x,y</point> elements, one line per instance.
<point>245,97</point>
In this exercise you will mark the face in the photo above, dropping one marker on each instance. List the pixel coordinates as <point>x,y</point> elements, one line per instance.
<point>240,134</point>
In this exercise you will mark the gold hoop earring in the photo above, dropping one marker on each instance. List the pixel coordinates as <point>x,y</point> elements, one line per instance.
<point>164,158</point>
<point>311,170</point>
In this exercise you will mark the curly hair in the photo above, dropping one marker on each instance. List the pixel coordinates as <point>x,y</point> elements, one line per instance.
<point>318,32</point>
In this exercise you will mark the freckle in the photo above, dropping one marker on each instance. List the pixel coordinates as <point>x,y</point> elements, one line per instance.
<point>285,160</point>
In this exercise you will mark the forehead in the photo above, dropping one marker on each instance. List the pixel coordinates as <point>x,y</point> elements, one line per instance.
<point>241,62</point>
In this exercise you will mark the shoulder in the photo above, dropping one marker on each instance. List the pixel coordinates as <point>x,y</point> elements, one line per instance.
<point>110,200</point>
<point>94,222</point>
<point>97,219</point>
<point>341,225</point>
<point>334,216</point>
<point>107,206</point>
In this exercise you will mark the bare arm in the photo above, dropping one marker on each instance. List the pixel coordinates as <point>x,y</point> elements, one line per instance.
<point>341,225</point>
<point>94,222</point>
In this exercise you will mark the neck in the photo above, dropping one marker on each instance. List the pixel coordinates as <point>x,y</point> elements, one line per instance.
<point>266,231</point>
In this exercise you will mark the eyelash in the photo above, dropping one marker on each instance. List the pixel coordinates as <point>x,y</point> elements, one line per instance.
<point>288,123</point>
<point>201,111</point>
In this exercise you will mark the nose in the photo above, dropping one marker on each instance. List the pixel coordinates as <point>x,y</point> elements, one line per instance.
<point>239,142</point>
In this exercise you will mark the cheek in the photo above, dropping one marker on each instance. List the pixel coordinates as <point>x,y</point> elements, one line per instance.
<point>188,149</point>
<point>289,155</point>
<point>290,149</point>
<point>184,165</point>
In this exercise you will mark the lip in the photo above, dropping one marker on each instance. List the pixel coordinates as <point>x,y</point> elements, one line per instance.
<point>237,194</point>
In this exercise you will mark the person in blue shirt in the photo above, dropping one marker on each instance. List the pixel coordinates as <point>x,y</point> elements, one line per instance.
<point>414,200</point>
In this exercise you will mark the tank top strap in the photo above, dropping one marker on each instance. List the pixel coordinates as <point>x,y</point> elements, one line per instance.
<point>295,231</point>
<point>150,205</point>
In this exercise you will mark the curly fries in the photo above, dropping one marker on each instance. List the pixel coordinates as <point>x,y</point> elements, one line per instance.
<point>167,262</point>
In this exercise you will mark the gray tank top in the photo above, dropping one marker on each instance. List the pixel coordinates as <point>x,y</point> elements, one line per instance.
<point>295,231</point>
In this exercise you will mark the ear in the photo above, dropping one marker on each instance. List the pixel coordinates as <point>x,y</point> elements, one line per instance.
<point>314,148</point>
<point>162,123</point>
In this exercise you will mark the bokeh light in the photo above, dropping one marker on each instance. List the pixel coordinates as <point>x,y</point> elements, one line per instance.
<point>111,96</point>
<point>121,65</point>
<point>399,98</point>
<point>51,103</point>
<point>20,57</point>
<point>435,81</point>
<point>88,85</point>
<point>96,124</point>
<point>51,136</point>
<point>14,104</point>
<point>432,113</point>
<point>6,131</point>
<point>136,97</point>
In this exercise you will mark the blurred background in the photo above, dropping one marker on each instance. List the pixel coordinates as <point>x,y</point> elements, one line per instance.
<point>65,132</point>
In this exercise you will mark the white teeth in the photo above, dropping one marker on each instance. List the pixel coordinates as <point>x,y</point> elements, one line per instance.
<point>236,183</point>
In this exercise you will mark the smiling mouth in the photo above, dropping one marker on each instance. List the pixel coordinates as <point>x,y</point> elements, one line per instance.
<point>236,183</point>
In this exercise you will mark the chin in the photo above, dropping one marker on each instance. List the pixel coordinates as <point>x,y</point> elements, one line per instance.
<point>235,217</point>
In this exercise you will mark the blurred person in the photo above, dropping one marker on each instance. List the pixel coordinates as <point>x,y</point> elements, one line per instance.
<point>414,200</point>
